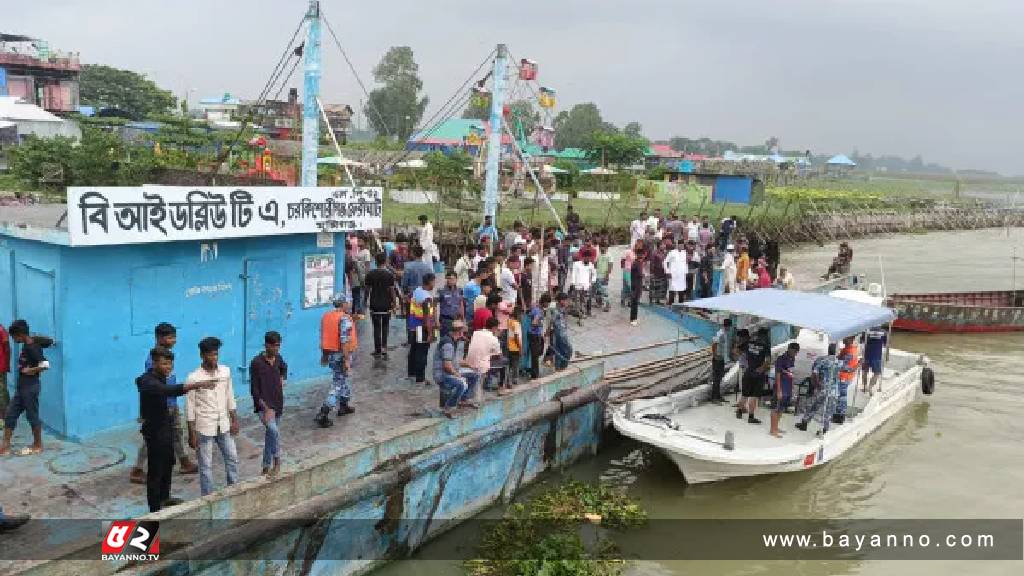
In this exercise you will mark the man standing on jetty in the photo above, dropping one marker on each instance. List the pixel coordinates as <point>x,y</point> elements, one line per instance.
<point>212,415</point>
<point>157,429</point>
<point>338,343</point>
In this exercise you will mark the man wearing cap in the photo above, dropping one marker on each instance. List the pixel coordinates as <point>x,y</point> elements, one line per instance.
<point>456,386</point>
<point>338,343</point>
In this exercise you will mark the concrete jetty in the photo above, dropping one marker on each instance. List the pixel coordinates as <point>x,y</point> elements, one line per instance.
<point>373,487</point>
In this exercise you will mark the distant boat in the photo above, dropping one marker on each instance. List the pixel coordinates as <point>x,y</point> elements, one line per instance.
<point>995,311</point>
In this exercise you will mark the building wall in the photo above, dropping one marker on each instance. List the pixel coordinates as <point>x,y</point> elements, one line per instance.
<point>31,288</point>
<point>113,296</point>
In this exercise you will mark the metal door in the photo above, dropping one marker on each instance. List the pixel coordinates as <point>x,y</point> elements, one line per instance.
<point>35,303</point>
<point>266,302</point>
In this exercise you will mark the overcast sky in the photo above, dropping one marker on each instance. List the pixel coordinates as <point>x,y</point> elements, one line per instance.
<point>940,78</point>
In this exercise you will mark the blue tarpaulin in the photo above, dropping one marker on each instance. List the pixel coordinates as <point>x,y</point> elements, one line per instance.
<point>836,317</point>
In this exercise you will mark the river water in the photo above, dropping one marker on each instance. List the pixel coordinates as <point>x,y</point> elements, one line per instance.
<point>956,455</point>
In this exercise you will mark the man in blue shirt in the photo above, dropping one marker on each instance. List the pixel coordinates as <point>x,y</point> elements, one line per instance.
<point>874,349</point>
<point>166,337</point>
<point>783,386</point>
<point>450,304</point>
<point>487,229</point>
<point>412,275</point>
<point>470,291</point>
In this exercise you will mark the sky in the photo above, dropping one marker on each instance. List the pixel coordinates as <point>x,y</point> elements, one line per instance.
<point>939,78</point>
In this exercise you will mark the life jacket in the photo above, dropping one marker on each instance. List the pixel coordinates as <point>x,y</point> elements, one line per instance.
<point>330,333</point>
<point>851,358</point>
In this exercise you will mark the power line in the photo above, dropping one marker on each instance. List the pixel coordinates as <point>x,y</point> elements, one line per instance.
<point>459,98</point>
<point>274,76</point>
<point>369,102</point>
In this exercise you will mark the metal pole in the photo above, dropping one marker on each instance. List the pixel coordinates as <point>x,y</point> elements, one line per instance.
<point>334,141</point>
<point>494,140</point>
<point>310,108</point>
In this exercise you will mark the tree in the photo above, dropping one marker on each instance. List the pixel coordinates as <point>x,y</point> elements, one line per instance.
<point>99,159</point>
<point>618,149</point>
<point>396,107</point>
<point>447,170</point>
<point>104,86</point>
<point>573,129</point>
<point>634,129</point>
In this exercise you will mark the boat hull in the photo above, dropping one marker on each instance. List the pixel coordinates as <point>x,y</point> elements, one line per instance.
<point>700,465</point>
<point>959,312</point>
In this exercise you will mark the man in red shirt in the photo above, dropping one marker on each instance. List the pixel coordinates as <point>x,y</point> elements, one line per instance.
<point>5,367</point>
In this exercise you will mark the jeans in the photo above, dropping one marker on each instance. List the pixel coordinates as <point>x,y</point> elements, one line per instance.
<point>634,305</point>
<point>272,441</point>
<point>158,472</point>
<point>717,373</point>
<point>226,443</point>
<point>26,399</point>
<point>563,350</point>
<point>455,389</point>
<point>513,368</point>
<point>627,288</point>
<point>381,324</point>
<point>357,300</point>
<point>176,442</point>
<point>341,390</point>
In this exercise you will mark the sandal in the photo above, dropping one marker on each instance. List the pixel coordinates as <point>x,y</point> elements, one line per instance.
<point>29,451</point>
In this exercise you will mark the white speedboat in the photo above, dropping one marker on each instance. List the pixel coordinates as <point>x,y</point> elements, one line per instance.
<point>706,440</point>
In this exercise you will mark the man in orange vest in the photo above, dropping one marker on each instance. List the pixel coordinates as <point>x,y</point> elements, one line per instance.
<point>849,361</point>
<point>338,343</point>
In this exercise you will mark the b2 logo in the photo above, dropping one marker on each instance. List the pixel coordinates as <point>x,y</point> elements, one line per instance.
<point>129,540</point>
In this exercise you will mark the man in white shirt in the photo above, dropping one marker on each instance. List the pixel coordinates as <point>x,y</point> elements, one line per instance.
<point>506,281</point>
<point>729,270</point>
<point>580,281</point>
<point>483,345</point>
<point>637,229</point>
<point>654,223</point>
<point>677,269</point>
<point>211,415</point>
<point>464,265</point>
<point>426,235</point>
<point>693,229</point>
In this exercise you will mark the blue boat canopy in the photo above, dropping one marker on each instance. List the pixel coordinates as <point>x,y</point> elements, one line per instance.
<point>836,317</point>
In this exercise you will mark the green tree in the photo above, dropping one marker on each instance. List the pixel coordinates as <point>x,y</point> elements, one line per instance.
<point>447,170</point>
<point>634,129</point>
<point>573,129</point>
<point>99,159</point>
<point>104,86</point>
<point>396,107</point>
<point>615,148</point>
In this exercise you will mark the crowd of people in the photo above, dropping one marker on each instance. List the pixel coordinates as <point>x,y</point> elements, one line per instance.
<point>499,314</point>
<point>826,389</point>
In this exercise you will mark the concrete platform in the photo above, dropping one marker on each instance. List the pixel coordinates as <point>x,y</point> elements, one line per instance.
<point>89,480</point>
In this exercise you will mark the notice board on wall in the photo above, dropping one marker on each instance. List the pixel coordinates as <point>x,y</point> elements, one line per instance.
<point>317,280</point>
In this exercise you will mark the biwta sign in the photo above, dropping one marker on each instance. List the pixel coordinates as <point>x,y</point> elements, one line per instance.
<point>135,215</point>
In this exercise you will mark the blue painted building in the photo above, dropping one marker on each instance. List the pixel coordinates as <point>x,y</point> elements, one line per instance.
<point>101,304</point>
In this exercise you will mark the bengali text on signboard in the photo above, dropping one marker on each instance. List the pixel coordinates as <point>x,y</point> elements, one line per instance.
<point>131,215</point>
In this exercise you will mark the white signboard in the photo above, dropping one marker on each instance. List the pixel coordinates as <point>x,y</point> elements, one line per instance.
<point>133,215</point>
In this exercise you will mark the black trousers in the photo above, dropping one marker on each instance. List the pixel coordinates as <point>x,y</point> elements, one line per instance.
<point>158,470</point>
<point>634,303</point>
<point>381,322</point>
<point>672,294</point>
<point>418,352</point>
<point>536,350</point>
<point>717,373</point>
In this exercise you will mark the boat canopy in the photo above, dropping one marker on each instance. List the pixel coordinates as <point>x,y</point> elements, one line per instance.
<point>836,317</point>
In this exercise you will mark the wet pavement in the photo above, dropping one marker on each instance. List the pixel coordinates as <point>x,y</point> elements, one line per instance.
<point>89,480</point>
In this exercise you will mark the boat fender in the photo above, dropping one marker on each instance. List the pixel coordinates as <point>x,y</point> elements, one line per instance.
<point>927,381</point>
<point>730,440</point>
